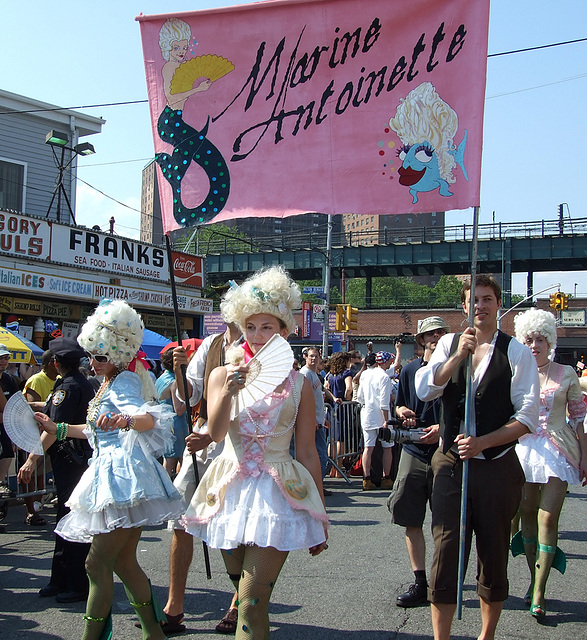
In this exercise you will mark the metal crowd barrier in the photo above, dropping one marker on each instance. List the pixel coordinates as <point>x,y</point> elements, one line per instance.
<point>40,485</point>
<point>345,437</point>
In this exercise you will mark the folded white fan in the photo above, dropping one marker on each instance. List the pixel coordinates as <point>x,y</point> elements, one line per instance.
<point>21,426</point>
<point>269,367</point>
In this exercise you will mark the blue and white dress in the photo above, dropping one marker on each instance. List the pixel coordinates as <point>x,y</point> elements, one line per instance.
<point>124,485</point>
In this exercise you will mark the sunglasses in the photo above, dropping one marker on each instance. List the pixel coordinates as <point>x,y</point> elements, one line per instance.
<point>100,359</point>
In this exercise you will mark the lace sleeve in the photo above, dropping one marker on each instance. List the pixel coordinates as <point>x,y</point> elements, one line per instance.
<point>126,396</point>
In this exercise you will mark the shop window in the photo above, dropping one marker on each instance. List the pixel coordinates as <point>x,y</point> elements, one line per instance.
<point>12,180</point>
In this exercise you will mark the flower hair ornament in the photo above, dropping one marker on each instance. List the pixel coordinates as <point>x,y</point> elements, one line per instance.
<point>115,330</point>
<point>270,291</point>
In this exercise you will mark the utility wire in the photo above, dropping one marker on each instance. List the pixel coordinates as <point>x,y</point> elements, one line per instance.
<point>543,46</point>
<point>127,102</point>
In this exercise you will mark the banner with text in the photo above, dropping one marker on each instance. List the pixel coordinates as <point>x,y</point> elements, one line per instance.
<point>335,106</point>
<point>26,237</point>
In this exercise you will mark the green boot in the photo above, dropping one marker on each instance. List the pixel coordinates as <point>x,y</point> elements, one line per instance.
<point>106,630</point>
<point>150,614</point>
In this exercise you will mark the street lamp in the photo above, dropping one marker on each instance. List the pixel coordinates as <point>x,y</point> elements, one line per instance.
<point>57,139</point>
<point>575,294</point>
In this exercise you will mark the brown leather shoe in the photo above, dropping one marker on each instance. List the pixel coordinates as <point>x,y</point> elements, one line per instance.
<point>387,483</point>
<point>368,485</point>
<point>228,623</point>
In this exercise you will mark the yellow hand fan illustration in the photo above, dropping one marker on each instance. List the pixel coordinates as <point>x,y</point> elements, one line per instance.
<point>208,66</point>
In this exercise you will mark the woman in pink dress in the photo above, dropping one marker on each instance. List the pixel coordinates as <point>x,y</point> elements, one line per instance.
<point>553,456</point>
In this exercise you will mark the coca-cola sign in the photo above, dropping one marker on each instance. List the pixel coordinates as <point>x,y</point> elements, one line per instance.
<point>188,269</point>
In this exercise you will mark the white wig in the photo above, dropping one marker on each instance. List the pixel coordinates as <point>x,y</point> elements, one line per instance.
<point>173,30</point>
<point>115,330</point>
<point>423,116</point>
<point>536,322</point>
<point>270,291</point>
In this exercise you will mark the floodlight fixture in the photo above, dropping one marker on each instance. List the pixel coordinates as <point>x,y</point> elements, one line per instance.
<point>57,138</point>
<point>60,140</point>
<point>84,149</point>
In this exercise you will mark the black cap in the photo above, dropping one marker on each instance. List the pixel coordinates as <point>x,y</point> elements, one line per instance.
<point>66,348</point>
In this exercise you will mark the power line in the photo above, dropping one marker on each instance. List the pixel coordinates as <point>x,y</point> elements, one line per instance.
<point>127,102</point>
<point>539,86</point>
<point>83,106</point>
<point>543,46</point>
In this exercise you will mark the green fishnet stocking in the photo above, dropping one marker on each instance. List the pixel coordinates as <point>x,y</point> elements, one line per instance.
<point>259,568</point>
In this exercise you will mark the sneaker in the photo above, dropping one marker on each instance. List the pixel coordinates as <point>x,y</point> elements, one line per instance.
<point>415,596</point>
<point>368,485</point>
<point>387,483</point>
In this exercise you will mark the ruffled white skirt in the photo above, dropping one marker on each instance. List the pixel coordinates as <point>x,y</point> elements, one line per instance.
<point>119,490</point>
<point>541,460</point>
<point>255,511</point>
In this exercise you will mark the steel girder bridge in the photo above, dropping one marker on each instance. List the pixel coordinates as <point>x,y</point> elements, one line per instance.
<point>503,249</point>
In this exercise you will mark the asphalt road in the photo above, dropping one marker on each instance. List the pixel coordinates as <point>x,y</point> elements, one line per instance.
<point>347,592</point>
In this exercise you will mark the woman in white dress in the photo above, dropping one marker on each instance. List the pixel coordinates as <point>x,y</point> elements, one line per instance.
<point>255,502</point>
<point>124,487</point>
<point>552,457</point>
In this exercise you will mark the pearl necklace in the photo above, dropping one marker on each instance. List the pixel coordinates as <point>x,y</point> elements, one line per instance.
<point>94,404</point>
<point>545,374</point>
<point>263,433</point>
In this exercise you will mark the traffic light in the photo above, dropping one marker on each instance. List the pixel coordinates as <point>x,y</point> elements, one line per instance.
<point>559,300</point>
<point>554,300</point>
<point>352,317</point>
<point>340,324</point>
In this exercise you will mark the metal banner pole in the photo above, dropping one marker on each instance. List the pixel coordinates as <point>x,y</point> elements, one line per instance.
<point>469,413</point>
<point>326,327</point>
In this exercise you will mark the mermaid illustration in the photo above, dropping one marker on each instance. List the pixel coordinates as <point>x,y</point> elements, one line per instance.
<point>426,126</point>
<point>189,144</point>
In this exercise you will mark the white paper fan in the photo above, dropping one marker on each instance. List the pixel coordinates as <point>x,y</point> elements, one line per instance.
<point>21,426</point>
<point>267,370</point>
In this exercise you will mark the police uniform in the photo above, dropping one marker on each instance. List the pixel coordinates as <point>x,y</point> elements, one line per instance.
<point>69,458</point>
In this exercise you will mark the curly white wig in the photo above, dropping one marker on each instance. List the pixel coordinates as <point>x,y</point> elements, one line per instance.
<point>536,321</point>
<point>115,330</point>
<point>173,30</point>
<point>269,291</point>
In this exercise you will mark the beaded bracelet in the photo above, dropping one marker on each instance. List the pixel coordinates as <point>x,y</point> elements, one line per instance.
<point>130,422</point>
<point>62,429</point>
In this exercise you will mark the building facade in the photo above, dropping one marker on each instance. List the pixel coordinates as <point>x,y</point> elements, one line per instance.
<point>29,168</point>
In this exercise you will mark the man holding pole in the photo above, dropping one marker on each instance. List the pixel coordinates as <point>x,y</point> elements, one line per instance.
<point>505,387</point>
<point>210,354</point>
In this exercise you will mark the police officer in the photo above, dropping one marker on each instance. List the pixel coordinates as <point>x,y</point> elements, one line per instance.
<point>68,403</point>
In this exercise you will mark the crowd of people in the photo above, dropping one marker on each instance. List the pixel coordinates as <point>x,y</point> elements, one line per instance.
<point>244,472</point>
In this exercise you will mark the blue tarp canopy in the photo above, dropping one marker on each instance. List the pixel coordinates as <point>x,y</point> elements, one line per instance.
<point>153,343</point>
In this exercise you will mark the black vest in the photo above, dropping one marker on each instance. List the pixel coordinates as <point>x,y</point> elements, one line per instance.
<point>493,404</point>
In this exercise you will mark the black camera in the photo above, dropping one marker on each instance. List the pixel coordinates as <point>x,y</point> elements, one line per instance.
<point>401,435</point>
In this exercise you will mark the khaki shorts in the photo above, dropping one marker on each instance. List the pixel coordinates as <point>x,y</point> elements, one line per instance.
<point>412,491</point>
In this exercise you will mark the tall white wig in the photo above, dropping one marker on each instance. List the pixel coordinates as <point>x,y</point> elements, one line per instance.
<point>116,330</point>
<point>536,322</point>
<point>173,30</point>
<point>270,291</point>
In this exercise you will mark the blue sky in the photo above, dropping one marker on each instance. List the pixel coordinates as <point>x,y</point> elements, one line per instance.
<point>73,53</point>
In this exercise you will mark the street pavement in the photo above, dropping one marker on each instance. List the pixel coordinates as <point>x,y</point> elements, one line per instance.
<point>347,592</point>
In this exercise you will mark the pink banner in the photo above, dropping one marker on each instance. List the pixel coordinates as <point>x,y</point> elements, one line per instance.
<point>335,106</point>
